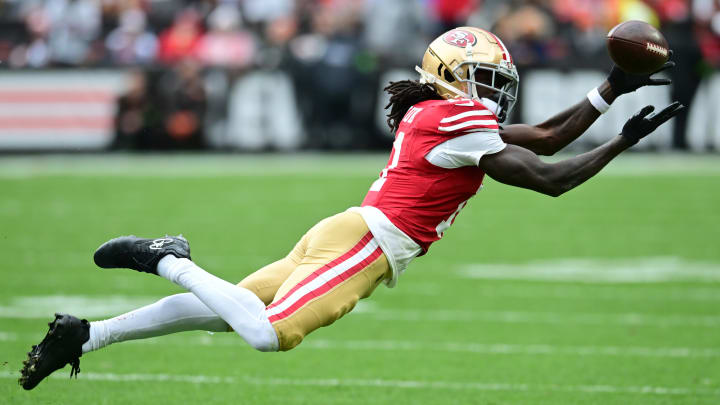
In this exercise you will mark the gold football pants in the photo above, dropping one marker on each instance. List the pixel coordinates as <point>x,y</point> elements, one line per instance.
<point>335,264</point>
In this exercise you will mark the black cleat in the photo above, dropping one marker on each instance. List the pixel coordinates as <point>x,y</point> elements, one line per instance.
<point>62,345</point>
<point>131,252</point>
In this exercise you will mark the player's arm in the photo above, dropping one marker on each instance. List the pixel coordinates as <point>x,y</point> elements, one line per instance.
<point>520,167</point>
<point>557,132</point>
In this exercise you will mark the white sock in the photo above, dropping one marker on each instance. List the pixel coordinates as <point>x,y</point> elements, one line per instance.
<point>176,313</point>
<point>239,307</point>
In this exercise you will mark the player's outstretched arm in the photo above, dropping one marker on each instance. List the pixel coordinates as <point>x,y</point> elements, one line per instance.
<point>520,167</point>
<point>557,132</point>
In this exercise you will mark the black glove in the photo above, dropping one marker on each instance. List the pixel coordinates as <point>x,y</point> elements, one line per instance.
<point>622,82</point>
<point>643,123</point>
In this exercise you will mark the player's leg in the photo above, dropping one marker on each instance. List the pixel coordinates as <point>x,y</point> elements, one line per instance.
<point>342,264</point>
<point>182,312</point>
<point>241,306</point>
<point>339,250</point>
<point>173,314</point>
<point>185,312</point>
<point>266,281</point>
<point>69,337</point>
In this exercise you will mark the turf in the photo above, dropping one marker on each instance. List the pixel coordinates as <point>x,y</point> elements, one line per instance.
<point>438,338</point>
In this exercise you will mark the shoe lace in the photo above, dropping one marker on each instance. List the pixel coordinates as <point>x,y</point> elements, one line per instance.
<point>75,367</point>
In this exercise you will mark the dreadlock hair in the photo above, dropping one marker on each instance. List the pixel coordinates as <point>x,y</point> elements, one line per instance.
<point>403,95</point>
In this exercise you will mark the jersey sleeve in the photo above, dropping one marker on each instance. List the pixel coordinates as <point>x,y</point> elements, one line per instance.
<point>465,150</point>
<point>462,117</point>
<point>472,132</point>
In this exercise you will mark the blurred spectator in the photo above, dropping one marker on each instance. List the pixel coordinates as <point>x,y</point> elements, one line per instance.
<point>451,13</point>
<point>74,24</point>
<point>137,116</point>
<point>180,41</point>
<point>332,48</point>
<point>183,101</point>
<point>166,111</point>
<point>677,24</point>
<point>707,28</point>
<point>397,30</point>
<point>243,33</point>
<point>225,44</point>
<point>529,32</point>
<point>330,77</point>
<point>278,34</point>
<point>130,43</point>
<point>36,52</point>
<point>259,11</point>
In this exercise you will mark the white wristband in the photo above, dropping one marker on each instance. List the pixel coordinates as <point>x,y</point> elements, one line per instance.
<point>597,101</point>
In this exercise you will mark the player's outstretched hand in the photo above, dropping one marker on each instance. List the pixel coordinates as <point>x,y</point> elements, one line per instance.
<point>643,123</point>
<point>622,82</point>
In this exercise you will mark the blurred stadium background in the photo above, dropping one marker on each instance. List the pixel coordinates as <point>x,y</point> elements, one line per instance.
<point>307,74</point>
<point>608,295</point>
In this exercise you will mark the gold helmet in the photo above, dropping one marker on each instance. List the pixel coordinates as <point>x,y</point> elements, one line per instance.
<point>460,60</point>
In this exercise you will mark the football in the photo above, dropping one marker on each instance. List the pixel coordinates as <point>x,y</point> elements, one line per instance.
<point>637,47</point>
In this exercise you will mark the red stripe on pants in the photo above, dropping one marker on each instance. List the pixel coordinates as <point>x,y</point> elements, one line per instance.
<point>364,241</point>
<point>327,286</point>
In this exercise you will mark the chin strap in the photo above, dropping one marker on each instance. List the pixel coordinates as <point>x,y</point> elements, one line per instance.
<point>426,77</point>
<point>492,106</point>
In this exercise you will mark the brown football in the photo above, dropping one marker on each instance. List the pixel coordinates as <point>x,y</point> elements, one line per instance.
<point>637,47</point>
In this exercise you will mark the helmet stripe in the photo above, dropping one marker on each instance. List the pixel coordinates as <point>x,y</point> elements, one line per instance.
<point>506,54</point>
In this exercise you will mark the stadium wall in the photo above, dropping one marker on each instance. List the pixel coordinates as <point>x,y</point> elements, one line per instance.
<point>281,110</point>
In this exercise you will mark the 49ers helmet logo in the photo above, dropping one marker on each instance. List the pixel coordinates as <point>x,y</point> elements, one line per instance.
<point>460,38</point>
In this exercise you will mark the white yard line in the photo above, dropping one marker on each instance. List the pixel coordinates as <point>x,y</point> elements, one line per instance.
<point>599,271</point>
<point>549,318</point>
<point>533,349</point>
<point>42,307</point>
<point>566,291</point>
<point>191,165</point>
<point>441,346</point>
<point>483,386</point>
<point>380,383</point>
<point>204,164</point>
<point>193,379</point>
<point>370,309</point>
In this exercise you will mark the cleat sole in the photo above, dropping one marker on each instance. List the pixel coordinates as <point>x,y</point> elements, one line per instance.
<point>36,367</point>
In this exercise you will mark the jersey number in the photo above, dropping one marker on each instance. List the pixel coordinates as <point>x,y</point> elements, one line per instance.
<point>377,185</point>
<point>397,149</point>
<point>442,226</point>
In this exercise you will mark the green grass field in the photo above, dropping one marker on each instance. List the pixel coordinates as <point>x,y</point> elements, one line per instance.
<point>607,295</point>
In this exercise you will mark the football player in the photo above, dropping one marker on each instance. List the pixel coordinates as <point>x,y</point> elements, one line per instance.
<point>448,135</point>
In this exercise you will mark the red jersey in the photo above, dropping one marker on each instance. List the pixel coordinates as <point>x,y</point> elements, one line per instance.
<point>420,198</point>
